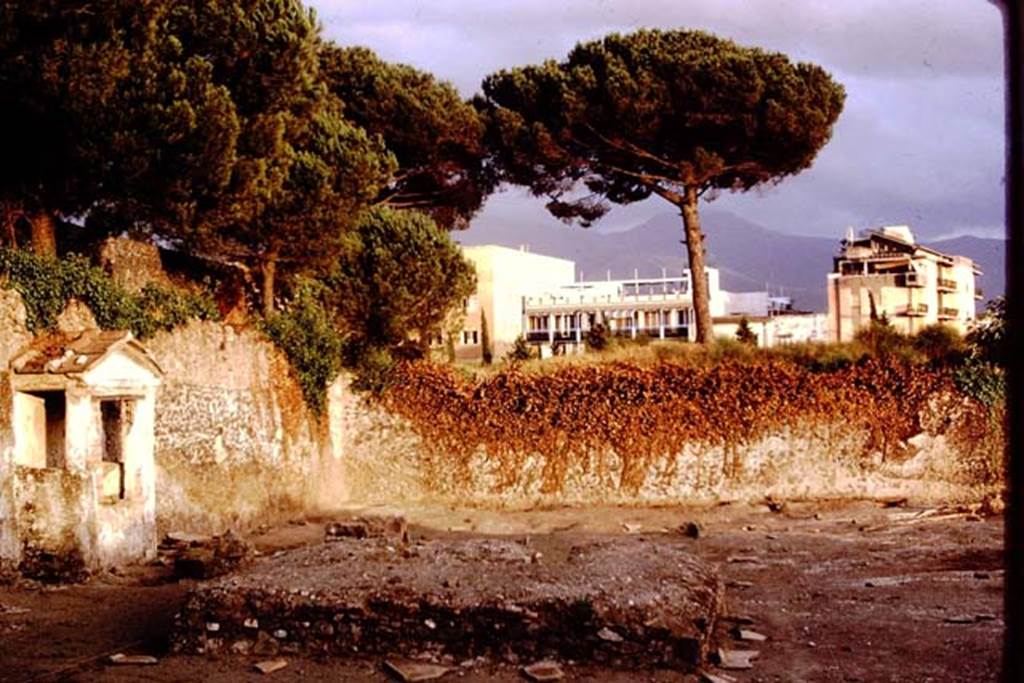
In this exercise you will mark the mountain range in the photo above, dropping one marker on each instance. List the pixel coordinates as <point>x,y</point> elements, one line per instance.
<point>749,256</point>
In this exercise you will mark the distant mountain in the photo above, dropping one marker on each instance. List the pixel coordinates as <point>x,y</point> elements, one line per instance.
<point>748,256</point>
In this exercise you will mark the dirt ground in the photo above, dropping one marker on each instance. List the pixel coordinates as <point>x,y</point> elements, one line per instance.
<point>843,590</point>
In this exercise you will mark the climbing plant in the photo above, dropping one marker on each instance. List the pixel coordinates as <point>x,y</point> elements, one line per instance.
<point>47,284</point>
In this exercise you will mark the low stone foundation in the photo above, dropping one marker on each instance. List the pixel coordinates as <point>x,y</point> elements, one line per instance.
<point>629,603</point>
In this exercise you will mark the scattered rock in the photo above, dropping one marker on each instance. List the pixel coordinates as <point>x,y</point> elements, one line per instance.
<point>885,582</point>
<point>748,635</point>
<point>893,502</point>
<point>740,619</point>
<point>336,530</point>
<point>270,665</point>
<point>546,670</point>
<point>982,575</point>
<point>691,530</point>
<point>631,528</point>
<point>706,677</point>
<point>184,539</point>
<point>205,557</point>
<point>736,659</point>
<point>742,559</point>
<point>415,671</point>
<point>265,645</point>
<point>136,660</point>
<point>13,609</point>
<point>739,584</point>
<point>960,619</point>
<point>775,505</point>
<point>984,617</point>
<point>993,505</point>
<point>609,635</point>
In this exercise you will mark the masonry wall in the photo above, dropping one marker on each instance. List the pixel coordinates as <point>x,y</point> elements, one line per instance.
<point>388,460</point>
<point>13,335</point>
<point>235,445</point>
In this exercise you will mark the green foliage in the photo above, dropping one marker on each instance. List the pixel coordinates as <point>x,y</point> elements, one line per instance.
<point>47,284</point>
<point>486,352</point>
<point>988,340</point>
<point>666,113</point>
<point>881,338</point>
<point>374,369</point>
<point>982,381</point>
<point>598,337</point>
<point>108,115</point>
<point>306,333</point>
<point>519,352</point>
<point>744,334</point>
<point>397,283</point>
<point>204,122</point>
<point>436,137</point>
<point>939,343</point>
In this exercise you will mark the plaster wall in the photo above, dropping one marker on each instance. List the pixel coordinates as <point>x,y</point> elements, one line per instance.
<point>235,444</point>
<point>386,462</point>
<point>13,335</point>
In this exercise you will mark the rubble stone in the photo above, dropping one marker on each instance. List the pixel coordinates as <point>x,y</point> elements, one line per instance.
<point>483,597</point>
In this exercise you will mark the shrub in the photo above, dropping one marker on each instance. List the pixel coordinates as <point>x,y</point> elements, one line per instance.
<point>306,333</point>
<point>744,334</point>
<point>374,369</point>
<point>939,343</point>
<point>882,339</point>
<point>486,352</point>
<point>985,382</point>
<point>598,337</point>
<point>519,352</point>
<point>988,341</point>
<point>46,284</point>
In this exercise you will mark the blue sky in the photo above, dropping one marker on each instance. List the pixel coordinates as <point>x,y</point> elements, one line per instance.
<point>921,140</point>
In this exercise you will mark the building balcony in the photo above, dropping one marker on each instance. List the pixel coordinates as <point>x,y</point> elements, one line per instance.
<point>911,280</point>
<point>949,313</point>
<point>913,310</point>
<point>945,284</point>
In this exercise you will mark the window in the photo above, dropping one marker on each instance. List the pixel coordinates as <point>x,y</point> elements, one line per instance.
<point>40,428</point>
<point>115,415</point>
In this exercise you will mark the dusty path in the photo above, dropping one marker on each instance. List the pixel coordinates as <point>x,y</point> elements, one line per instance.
<point>845,591</point>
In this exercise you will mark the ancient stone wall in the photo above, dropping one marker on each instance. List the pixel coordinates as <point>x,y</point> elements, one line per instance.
<point>386,462</point>
<point>13,335</point>
<point>235,443</point>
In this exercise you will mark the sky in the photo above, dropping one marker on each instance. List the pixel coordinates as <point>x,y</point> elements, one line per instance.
<point>920,140</point>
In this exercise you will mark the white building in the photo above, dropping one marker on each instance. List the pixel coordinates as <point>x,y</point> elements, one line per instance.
<point>885,272</point>
<point>539,297</point>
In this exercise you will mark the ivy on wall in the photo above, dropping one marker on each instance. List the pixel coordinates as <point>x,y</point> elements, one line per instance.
<point>47,284</point>
<point>647,413</point>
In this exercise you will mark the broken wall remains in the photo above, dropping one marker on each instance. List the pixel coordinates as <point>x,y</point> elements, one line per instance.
<point>236,444</point>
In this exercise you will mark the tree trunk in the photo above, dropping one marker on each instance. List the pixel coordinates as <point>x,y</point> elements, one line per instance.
<point>44,233</point>
<point>698,277</point>
<point>269,272</point>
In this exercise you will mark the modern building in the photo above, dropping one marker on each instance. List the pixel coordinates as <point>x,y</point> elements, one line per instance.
<point>504,277</point>
<point>539,297</point>
<point>885,272</point>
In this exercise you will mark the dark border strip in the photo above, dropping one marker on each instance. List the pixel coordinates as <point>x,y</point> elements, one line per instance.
<point>1013,651</point>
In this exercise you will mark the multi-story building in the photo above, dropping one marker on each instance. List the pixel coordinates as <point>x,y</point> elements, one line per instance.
<point>885,272</point>
<point>538,297</point>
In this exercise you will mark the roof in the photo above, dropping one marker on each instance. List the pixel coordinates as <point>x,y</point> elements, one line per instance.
<point>77,352</point>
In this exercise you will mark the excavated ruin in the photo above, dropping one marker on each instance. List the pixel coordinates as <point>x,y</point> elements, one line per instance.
<point>628,602</point>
